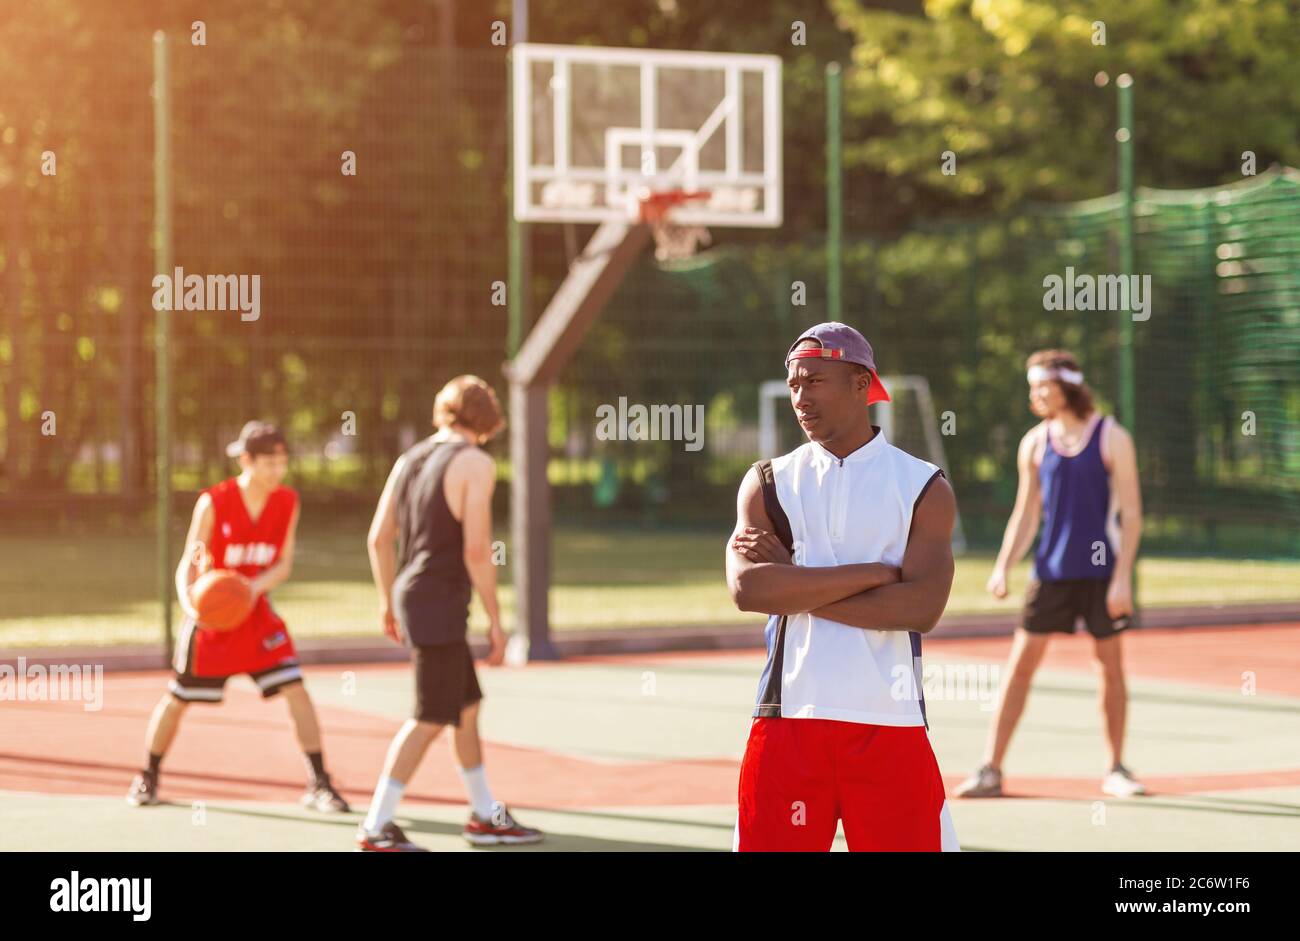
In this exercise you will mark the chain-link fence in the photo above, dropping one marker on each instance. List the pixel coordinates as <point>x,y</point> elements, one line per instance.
<point>363,193</point>
<point>1218,357</point>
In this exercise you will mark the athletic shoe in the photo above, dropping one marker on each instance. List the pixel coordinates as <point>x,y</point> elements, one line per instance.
<point>500,828</point>
<point>144,790</point>
<point>390,839</point>
<point>985,782</point>
<point>1121,783</point>
<point>322,796</point>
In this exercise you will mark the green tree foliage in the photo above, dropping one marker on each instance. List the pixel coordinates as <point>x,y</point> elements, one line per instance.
<point>1010,86</point>
<point>398,259</point>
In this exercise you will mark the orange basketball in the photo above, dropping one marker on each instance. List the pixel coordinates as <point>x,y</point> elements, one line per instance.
<point>223,599</point>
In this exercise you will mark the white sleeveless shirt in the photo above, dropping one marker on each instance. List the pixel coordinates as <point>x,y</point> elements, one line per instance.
<point>842,511</point>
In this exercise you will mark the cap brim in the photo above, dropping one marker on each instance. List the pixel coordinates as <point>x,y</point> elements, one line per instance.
<point>234,449</point>
<point>877,392</point>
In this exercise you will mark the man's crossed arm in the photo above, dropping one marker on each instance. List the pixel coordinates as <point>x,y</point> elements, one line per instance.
<point>870,595</point>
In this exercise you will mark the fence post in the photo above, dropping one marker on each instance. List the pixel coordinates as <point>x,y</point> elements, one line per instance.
<point>1124,135</point>
<point>518,275</point>
<point>834,196</point>
<point>162,224</point>
<point>1127,393</point>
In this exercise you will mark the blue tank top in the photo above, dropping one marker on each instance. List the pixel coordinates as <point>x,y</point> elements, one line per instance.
<point>1076,499</point>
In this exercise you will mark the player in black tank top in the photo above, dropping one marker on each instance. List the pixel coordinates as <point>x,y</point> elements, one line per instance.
<point>424,592</point>
<point>431,592</point>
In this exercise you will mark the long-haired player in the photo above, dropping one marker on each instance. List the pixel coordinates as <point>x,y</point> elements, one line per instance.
<point>1079,478</point>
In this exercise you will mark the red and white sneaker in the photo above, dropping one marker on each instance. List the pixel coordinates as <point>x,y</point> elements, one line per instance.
<point>390,839</point>
<point>500,828</point>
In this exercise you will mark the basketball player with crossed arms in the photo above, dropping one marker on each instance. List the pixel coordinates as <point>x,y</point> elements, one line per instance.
<point>1078,475</point>
<point>246,524</point>
<point>846,543</point>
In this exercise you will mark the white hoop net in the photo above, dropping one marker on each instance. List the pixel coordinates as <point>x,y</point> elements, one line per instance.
<point>673,241</point>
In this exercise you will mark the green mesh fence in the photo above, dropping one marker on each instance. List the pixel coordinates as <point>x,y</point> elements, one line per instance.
<point>76,187</point>
<point>374,288</point>
<point>1218,370</point>
<point>1219,378</point>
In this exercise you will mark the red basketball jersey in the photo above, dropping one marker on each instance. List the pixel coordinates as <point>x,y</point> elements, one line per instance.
<point>249,547</point>
<point>244,545</point>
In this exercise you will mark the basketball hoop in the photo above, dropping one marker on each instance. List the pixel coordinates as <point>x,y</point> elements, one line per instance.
<point>673,242</point>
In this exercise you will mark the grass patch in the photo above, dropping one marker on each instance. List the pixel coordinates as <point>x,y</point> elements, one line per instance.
<point>96,588</point>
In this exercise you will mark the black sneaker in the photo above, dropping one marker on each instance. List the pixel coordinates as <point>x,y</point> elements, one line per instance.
<point>144,790</point>
<point>390,839</point>
<point>322,796</point>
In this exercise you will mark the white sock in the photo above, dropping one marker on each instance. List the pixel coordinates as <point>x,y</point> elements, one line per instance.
<point>384,804</point>
<point>480,795</point>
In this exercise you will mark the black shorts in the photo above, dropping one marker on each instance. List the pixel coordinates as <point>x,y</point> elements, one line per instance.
<point>445,682</point>
<point>1055,607</point>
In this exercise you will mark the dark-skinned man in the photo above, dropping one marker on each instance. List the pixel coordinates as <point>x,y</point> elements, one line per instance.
<point>846,544</point>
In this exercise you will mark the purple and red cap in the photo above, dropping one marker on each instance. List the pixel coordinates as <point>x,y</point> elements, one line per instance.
<point>841,342</point>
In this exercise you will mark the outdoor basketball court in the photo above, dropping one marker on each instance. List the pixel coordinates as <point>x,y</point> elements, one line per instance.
<point>642,753</point>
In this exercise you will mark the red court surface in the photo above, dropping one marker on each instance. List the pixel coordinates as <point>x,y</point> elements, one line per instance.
<point>1209,656</point>
<point>245,750</point>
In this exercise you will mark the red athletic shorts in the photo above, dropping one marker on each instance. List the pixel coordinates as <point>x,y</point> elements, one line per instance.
<point>260,647</point>
<point>800,777</point>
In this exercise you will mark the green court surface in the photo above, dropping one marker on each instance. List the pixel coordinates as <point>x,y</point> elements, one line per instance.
<point>642,753</point>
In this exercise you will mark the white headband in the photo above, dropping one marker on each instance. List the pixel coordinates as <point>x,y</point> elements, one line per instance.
<point>1039,373</point>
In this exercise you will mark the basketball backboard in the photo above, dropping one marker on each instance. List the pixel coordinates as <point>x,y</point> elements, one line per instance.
<point>597,130</point>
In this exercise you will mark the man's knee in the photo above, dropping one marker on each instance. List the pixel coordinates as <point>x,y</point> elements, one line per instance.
<point>1112,673</point>
<point>1027,659</point>
<point>1109,664</point>
<point>294,692</point>
<point>1022,673</point>
<point>424,728</point>
<point>1107,653</point>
